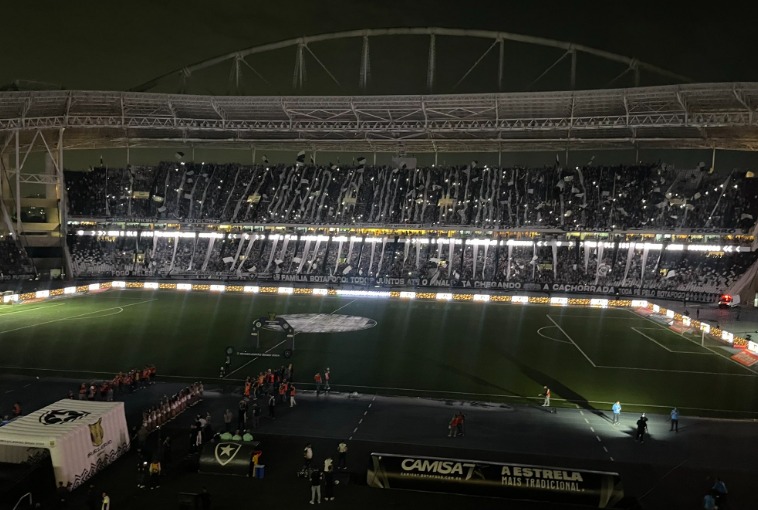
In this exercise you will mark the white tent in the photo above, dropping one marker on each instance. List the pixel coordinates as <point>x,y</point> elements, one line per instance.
<point>83,437</point>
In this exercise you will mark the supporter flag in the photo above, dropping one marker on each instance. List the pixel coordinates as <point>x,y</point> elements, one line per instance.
<point>228,260</point>
<point>157,198</point>
<point>300,160</point>
<point>749,174</point>
<point>333,166</point>
<point>361,164</point>
<point>671,274</point>
<point>745,216</point>
<point>265,159</point>
<point>162,208</point>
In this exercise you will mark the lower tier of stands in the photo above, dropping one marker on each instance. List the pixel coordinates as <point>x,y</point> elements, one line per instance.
<point>425,262</point>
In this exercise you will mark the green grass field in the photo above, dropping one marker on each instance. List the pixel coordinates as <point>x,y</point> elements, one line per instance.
<point>493,352</point>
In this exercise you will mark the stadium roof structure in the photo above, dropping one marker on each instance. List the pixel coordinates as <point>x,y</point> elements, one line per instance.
<point>689,116</point>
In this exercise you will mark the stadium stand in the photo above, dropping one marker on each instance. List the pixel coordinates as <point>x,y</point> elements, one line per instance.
<point>594,197</point>
<point>591,198</point>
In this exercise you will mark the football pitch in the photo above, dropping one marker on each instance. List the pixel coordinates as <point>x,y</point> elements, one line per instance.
<point>450,350</point>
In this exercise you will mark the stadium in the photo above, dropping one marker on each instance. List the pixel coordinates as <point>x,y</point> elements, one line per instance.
<point>321,253</point>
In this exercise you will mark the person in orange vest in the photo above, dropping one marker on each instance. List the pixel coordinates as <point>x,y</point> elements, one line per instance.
<point>248,388</point>
<point>291,391</point>
<point>317,380</point>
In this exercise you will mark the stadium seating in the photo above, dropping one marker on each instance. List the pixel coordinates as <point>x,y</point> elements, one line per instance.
<point>590,198</point>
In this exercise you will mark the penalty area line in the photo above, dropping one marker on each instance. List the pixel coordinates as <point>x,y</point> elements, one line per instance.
<point>572,341</point>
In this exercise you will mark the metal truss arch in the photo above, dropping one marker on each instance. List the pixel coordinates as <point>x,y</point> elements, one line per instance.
<point>571,49</point>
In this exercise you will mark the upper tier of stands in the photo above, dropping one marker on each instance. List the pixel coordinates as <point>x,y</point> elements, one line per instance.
<point>591,197</point>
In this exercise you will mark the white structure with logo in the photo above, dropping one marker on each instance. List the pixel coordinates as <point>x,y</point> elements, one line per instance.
<point>83,437</point>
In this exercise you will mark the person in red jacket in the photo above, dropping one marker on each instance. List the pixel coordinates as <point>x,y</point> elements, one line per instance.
<point>317,380</point>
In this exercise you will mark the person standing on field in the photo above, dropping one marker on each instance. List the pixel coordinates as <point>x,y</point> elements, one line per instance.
<point>616,412</point>
<point>327,377</point>
<point>317,379</point>
<point>674,420</point>
<point>546,394</point>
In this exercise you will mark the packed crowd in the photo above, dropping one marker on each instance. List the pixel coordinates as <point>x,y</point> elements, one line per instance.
<point>585,197</point>
<point>442,262</point>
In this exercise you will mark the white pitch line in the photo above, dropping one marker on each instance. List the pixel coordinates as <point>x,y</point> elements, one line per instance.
<point>30,310</point>
<point>690,340</point>
<point>656,342</point>
<point>255,358</point>
<point>341,307</point>
<point>670,350</point>
<point>572,341</point>
<point>73,317</point>
<point>606,449</point>
<point>598,439</point>
<point>539,332</point>
<point>592,429</point>
<point>752,374</point>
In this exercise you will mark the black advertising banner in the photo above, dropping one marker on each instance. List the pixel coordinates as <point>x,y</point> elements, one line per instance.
<point>227,458</point>
<point>504,480</point>
<point>494,285</point>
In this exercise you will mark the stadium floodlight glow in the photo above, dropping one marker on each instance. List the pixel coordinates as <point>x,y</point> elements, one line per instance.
<point>408,295</point>
<point>150,285</point>
<point>94,286</point>
<point>118,285</point>
<point>115,233</point>
<point>214,235</point>
<point>727,336</point>
<point>148,234</point>
<point>686,321</point>
<point>69,290</point>
<point>41,294</point>
<point>363,293</point>
<point>444,296</point>
<point>705,327</point>
<point>514,242</point>
<point>253,289</point>
<point>559,301</point>
<point>704,247</point>
<point>373,239</point>
<point>670,314</point>
<point>218,288</point>
<point>320,292</point>
<point>520,299</point>
<point>675,247</point>
<point>10,298</point>
<point>285,290</point>
<point>656,309</point>
<point>601,303</point>
<point>183,286</point>
<point>639,303</point>
<point>340,239</point>
<point>80,232</point>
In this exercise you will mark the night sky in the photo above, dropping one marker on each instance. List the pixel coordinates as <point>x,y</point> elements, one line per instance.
<point>116,45</point>
<point>101,45</point>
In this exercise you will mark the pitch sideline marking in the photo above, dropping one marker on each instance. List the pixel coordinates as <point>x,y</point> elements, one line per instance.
<point>572,340</point>
<point>73,317</point>
<point>752,372</point>
<point>4,314</point>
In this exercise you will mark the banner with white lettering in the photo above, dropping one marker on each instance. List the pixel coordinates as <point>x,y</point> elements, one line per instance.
<point>469,284</point>
<point>492,479</point>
